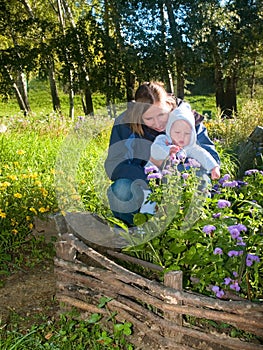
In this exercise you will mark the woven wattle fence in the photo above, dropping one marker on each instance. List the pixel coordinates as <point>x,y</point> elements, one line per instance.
<point>156,310</point>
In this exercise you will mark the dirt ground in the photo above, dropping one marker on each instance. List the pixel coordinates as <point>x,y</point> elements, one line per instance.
<point>29,294</point>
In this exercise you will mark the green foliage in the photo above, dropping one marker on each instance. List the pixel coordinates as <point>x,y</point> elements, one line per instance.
<point>69,333</point>
<point>216,242</point>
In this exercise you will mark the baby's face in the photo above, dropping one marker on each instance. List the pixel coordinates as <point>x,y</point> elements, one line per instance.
<point>181,133</point>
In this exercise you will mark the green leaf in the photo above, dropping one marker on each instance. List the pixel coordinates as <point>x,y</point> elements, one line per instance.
<point>103,301</point>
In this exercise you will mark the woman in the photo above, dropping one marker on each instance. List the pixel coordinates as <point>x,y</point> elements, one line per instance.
<point>132,134</point>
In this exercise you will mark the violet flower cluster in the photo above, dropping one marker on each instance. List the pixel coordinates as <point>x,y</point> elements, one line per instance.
<point>235,232</point>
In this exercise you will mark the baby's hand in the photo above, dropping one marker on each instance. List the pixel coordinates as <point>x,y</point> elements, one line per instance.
<point>174,149</point>
<point>215,173</point>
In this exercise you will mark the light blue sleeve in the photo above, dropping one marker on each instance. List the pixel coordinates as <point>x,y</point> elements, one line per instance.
<point>160,149</point>
<point>202,156</point>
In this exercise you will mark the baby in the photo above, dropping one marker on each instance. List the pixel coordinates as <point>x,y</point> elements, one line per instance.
<point>181,135</point>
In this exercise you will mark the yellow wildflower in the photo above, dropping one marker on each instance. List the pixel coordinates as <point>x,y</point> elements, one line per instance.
<point>28,218</point>
<point>12,177</point>
<point>33,210</point>
<point>44,191</point>
<point>31,226</point>
<point>38,183</point>
<point>14,231</point>
<point>20,152</point>
<point>5,184</point>
<point>42,210</point>
<point>2,215</point>
<point>18,195</point>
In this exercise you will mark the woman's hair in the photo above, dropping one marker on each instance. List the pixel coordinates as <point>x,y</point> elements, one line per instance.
<point>146,95</point>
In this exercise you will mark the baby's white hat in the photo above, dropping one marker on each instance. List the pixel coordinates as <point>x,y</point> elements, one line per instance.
<point>183,112</point>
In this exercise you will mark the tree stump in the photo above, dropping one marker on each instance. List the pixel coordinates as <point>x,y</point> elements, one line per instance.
<point>250,154</point>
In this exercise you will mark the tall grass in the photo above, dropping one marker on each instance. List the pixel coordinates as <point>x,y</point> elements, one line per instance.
<point>234,131</point>
<point>28,152</point>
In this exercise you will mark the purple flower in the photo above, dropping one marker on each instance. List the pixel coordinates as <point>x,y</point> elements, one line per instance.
<point>194,163</point>
<point>208,229</point>
<point>251,171</point>
<point>232,253</point>
<point>235,274</point>
<point>218,251</point>
<point>174,159</point>
<point>241,227</point>
<point>235,286</point>
<point>216,215</point>
<point>218,292</point>
<point>251,258</point>
<point>150,169</point>
<point>241,183</point>
<point>236,229</point>
<point>234,232</point>
<point>222,203</point>
<point>181,155</point>
<point>240,241</point>
<point>226,177</point>
<point>227,280</point>
<point>185,176</point>
<point>230,184</point>
<point>154,176</point>
<point>166,172</point>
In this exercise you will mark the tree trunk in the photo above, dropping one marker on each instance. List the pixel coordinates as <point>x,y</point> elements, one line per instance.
<point>180,77</point>
<point>230,96</point>
<point>19,97</point>
<point>71,96</point>
<point>53,87</point>
<point>177,40</point>
<point>167,75</point>
<point>219,87</point>
<point>88,105</point>
<point>70,73</point>
<point>130,85</point>
<point>22,86</point>
<point>252,83</point>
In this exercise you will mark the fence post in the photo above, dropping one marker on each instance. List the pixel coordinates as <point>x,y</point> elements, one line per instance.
<point>174,279</point>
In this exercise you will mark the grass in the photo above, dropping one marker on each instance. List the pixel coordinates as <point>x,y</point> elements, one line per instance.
<point>41,103</point>
<point>68,333</point>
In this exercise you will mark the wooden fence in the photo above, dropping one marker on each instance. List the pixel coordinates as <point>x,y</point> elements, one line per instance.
<point>161,313</point>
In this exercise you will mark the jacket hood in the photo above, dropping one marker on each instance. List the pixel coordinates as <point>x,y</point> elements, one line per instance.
<point>182,113</point>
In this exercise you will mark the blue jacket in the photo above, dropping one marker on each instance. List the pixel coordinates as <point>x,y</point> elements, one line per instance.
<point>128,152</point>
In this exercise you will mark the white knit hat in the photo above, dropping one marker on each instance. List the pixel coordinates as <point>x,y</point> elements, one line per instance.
<point>183,112</point>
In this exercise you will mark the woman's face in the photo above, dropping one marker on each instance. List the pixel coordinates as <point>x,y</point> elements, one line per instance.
<point>156,116</point>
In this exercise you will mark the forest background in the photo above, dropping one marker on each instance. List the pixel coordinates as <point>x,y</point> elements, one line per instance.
<point>106,48</point>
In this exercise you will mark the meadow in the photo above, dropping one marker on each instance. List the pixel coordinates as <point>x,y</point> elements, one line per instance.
<point>228,235</point>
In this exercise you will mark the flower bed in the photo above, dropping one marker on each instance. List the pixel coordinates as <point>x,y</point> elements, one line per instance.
<point>160,312</point>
